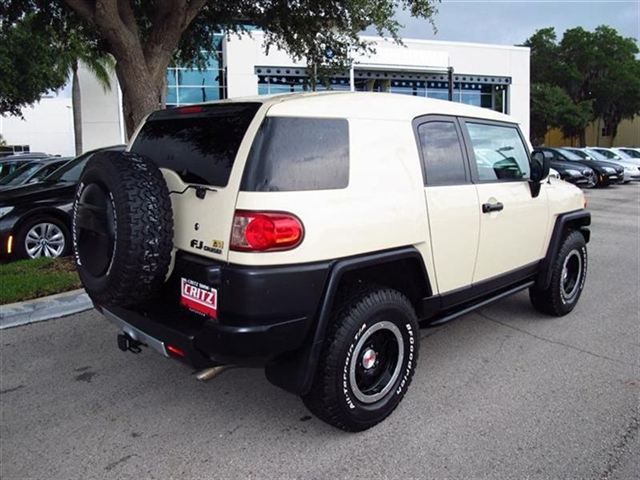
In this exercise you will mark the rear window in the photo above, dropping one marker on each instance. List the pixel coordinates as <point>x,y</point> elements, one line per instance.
<point>295,154</point>
<point>198,143</point>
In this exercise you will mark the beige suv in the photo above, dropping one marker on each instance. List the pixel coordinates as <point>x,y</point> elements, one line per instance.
<point>313,234</point>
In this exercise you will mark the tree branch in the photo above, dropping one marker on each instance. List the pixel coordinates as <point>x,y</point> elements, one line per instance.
<point>84,8</point>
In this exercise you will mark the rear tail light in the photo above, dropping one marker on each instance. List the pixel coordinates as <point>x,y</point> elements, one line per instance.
<point>265,231</point>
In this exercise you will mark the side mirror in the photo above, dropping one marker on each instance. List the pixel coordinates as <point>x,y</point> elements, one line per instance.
<point>540,165</point>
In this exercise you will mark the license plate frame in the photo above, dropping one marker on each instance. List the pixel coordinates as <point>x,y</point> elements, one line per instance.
<point>199,298</point>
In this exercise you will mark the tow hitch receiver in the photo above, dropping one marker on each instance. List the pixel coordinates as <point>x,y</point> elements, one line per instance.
<point>126,343</point>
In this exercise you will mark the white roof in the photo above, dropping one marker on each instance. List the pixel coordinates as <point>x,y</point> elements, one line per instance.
<point>382,106</point>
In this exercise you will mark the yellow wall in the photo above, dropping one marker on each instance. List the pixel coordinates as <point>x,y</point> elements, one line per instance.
<point>628,135</point>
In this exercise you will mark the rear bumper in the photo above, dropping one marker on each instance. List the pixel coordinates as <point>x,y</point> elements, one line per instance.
<point>263,312</point>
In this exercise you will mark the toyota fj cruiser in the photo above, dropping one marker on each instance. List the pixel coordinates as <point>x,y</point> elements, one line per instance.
<point>313,234</point>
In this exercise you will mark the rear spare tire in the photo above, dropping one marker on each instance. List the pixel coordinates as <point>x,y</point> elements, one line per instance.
<point>122,228</point>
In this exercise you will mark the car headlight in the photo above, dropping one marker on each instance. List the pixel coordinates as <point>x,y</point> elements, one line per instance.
<point>609,170</point>
<point>5,211</point>
<point>572,172</point>
<point>587,173</point>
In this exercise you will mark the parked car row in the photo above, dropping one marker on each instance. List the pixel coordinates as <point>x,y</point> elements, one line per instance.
<point>595,166</point>
<point>35,217</point>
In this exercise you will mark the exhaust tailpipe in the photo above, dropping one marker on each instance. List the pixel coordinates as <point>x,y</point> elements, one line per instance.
<point>211,372</point>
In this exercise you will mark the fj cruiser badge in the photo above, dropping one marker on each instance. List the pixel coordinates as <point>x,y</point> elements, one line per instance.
<point>216,245</point>
<point>199,298</point>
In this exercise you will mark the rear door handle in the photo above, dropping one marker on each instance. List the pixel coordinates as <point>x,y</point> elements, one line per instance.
<point>492,207</point>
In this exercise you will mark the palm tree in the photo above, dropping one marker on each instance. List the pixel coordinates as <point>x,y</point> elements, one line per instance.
<point>78,51</point>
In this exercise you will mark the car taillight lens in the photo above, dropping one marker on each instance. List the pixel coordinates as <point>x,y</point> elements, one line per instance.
<point>264,231</point>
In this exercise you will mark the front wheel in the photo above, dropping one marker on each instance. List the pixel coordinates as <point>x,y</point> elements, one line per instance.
<point>42,236</point>
<point>569,272</point>
<point>368,360</point>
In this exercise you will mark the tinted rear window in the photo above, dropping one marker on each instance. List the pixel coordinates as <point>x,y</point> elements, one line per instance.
<point>294,154</point>
<point>200,147</point>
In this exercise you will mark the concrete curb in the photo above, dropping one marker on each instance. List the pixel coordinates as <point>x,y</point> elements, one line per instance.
<point>45,308</point>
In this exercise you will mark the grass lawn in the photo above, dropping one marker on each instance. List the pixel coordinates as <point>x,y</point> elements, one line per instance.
<point>27,279</point>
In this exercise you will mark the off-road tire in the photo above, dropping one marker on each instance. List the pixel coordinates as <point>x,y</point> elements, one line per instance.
<point>332,397</point>
<point>124,195</point>
<point>553,300</point>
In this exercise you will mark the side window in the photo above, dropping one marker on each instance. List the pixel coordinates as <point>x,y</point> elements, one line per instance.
<point>295,154</point>
<point>442,153</point>
<point>499,151</point>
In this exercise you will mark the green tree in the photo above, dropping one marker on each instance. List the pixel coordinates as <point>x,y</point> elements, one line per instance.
<point>599,71</point>
<point>29,66</point>
<point>615,86</point>
<point>144,37</point>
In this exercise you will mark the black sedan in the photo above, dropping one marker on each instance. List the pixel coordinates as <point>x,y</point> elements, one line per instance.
<point>607,173</point>
<point>576,174</point>
<point>11,163</point>
<point>31,172</point>
<point>35,219</point>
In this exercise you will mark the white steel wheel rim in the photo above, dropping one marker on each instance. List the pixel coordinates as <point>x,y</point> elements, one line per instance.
<point>44,240</point>
<point>355,360</point>
<point>571,274</point>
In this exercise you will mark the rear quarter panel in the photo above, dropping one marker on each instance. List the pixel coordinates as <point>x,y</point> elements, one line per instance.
<point>381,208</point>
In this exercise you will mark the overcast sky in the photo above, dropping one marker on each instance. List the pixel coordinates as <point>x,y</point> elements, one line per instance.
<point>511,22</point>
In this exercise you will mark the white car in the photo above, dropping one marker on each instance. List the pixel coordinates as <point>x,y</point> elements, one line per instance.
<point>313,234</point>
<point>612,154</point>
<point>628,153</point>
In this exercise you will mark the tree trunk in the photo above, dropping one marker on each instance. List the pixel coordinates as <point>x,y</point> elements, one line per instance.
<point>583,138</point>
<point>141,95</point>
<point>76,100</point>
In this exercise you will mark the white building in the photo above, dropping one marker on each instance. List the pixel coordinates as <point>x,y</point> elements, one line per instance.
<point>490,76</point>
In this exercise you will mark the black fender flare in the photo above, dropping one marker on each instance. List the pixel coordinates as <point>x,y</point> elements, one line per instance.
<point>575,220</point>
<point>295,372</point>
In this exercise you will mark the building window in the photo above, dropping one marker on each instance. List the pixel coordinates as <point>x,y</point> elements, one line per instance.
<point>481,91</point>
<point>186,86</point>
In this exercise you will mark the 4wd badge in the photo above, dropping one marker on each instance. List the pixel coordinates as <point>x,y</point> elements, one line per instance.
<point>199,298</point>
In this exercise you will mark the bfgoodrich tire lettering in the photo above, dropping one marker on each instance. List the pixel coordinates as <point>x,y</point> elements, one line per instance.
<point>122,228</point>
<point>365,327</point>
<point>569,272</point>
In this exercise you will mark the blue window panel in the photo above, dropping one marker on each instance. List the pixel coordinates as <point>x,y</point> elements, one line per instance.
<point>471,98</point>
<point>438,94</point>
<point>214,62</point>
<point>195,78</point>
<point>198,94</point>
<point>172,96</point>
<point>406,90</point>
<point>171,77</point>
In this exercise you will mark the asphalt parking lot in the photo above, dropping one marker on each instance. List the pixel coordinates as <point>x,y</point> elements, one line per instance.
<point>500,393</point>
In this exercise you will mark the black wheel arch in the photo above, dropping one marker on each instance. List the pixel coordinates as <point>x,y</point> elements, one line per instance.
<point>401,268</point>
<point>56,213</point>
<point>61,215</point>
<point>576,220</point>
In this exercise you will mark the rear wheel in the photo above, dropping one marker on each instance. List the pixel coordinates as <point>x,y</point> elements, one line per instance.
<point>569,272</point>
<point>42,236</point>
<point>368,360</point>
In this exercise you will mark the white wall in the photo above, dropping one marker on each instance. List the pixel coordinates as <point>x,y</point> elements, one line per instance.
<point>47,127</point>
<point>101,119</point>
<point>48,124</point>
